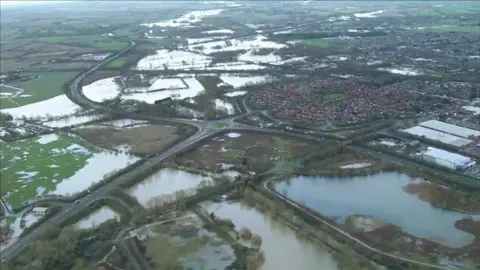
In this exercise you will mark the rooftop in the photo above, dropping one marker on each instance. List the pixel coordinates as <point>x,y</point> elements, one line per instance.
<point>438,136</point>
<point>450,129</point>
<point>447,156</point>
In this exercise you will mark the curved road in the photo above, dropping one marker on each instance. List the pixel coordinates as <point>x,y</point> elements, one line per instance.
<point>205,129</point>
<point>349,236</point>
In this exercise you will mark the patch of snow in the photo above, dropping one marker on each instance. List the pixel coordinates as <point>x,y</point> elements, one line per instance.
<point>291,60</point>
<point>283,32</point>
<point>219,31</point>
<point>45,139</point>
<point>200,40</point>
<point>165,59</point>
<point>167,83</point>
<point>101,90</point>
<point>369,14</point>
<point>239,81</point>
<point>235,66</point>
<point>194,88</point>
<point>401,71</point>
<point>237,44</point>
<point>54,107</point>
<point>187,19</point>
<point>475,110</point>
<point>224,106</point>
<point>234,135</point>
<point>124,122</point>
<point>236,93</point>
<point>249,56</point>
<point>355,166</point>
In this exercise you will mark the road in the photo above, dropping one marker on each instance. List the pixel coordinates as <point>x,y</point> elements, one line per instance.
<point>346,234</point>
<point>204,129</point>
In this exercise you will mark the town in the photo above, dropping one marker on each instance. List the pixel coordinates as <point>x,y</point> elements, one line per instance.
<point>271,135</point>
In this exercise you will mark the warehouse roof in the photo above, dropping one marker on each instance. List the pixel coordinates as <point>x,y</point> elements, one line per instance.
<point>447,156</point>
<point>450,129</point>
<point>438,136</point>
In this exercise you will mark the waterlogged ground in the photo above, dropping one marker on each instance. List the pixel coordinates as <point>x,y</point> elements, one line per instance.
<point>381,196</point>
<point>183,242</point>
<point>96,218</point>
<point>55,164</point>
<point>164,183</point>
<point>282,248</point>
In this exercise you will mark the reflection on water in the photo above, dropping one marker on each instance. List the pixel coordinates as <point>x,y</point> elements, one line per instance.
<point>165,182</point>
<point>380,195</point>
<point>96,218</point>
<point>282,249</point>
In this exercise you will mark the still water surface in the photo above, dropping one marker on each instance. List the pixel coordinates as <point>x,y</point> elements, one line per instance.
<point>380,195</point>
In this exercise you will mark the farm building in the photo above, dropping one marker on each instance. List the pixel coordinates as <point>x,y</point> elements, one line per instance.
<point>448,159</point>
<point>438,136</point>
<point>450,129</point>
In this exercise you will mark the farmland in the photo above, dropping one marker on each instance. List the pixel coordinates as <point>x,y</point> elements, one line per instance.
<point>45,85</point>
<point>51,163</point>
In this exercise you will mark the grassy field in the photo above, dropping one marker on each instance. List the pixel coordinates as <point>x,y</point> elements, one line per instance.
<point>47,86</point>
<point>258,152</point>
<point>99,42</point>
<point>149,139</point>
<point>317,42</point>
<point>334,96</point>
<point>30,168</point>
<point>453,28</point>
<point>118,63</point>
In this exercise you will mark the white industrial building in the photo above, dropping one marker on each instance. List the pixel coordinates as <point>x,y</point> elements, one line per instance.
<point>448,159</point>
<point>438,136</point>
<point>450,129</point>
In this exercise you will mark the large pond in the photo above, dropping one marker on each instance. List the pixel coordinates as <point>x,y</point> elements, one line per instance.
<point>164,183</point>
<point>282,248</point>
<point>382,196</point>
<point>96,218</point>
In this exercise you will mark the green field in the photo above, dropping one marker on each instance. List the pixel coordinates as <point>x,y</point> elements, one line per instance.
<point>47,86</point>
<point>30,168</point>
<point>117,63</point>
<point>334,96</point>
<point>317,42</point>
<point>99,42</point>
<point>452,28</point>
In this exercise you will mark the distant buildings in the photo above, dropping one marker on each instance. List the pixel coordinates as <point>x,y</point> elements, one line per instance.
<point>445,133</point>
<point>448,159</point>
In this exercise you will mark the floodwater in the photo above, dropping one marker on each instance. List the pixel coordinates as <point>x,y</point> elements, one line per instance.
<point>98,166</point>
<point>381,196</point>
<point>96,218</point>
<point>166,182</point>
<point>282,248</point>
<point>215,253</point>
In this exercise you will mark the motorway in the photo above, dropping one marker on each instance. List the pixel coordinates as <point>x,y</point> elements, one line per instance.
<point>204,130</point>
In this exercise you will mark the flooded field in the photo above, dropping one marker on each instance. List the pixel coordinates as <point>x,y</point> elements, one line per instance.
<point>282,249</point>
<point>53,164</point>
<point>165,183</point>
<point>381,196</point>
<point>184,242</point>
<point>96,218</point>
